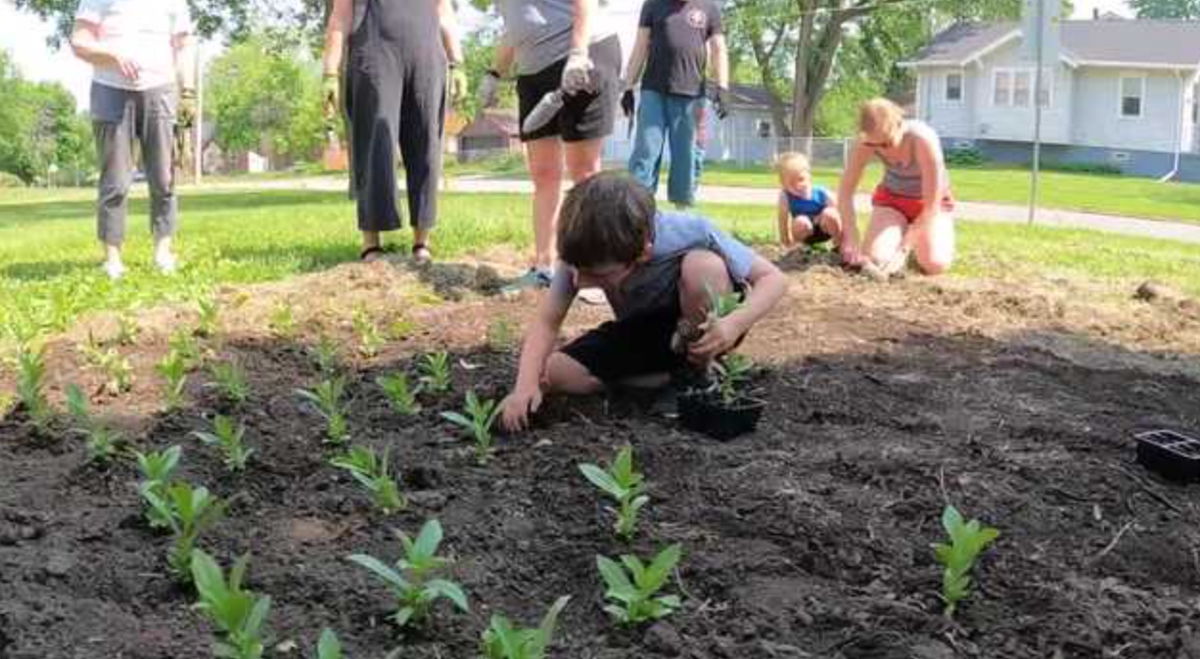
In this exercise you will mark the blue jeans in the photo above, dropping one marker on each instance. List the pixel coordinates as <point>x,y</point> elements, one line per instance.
<point>664,118</point>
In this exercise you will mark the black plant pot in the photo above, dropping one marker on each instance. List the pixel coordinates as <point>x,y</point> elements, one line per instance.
<point>1169,453</point>
<point>704,411</point>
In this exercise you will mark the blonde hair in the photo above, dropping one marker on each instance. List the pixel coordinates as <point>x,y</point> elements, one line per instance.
<point>879,115</point>
<point>792,162</point>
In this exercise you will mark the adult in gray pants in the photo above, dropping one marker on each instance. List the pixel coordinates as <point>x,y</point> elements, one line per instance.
<point>140,52</point>
<point>395,95</point>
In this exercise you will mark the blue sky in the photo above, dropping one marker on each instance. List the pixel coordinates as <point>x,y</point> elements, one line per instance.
<point>24,36</point>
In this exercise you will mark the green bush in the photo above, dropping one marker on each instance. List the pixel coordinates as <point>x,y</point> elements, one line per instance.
<point>967,156</point>
<point>1083,168</point>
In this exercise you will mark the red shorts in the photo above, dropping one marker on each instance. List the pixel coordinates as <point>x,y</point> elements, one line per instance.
<point>909,207</point>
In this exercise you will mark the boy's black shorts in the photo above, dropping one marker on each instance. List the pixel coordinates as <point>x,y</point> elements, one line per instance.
<point>631,347</point>
<point>584,116</point>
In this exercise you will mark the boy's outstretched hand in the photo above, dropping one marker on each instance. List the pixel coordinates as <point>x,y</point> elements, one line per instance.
<point>517,406</point>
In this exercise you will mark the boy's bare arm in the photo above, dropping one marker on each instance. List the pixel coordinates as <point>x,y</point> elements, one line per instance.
<point>767,287</point>
<point>526,396</point>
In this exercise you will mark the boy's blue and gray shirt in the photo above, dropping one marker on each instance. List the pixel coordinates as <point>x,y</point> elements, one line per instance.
<point>654,286</point>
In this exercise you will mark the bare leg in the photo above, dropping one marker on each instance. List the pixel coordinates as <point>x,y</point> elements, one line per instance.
<point>830,222</point>
<point>885,234</point>
<point>701,272</point>
<point>583,159</point>
<point>565,375</point>
<point>544,158</point>
<point>935,245</point>
<point>802,229</point>
<point>370,240</point>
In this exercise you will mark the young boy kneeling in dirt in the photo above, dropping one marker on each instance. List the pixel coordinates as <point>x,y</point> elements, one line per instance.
<point>657,270</point>
<point>808,212</point>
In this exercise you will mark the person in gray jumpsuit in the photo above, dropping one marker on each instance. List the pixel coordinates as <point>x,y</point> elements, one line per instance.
<point>394,94</point>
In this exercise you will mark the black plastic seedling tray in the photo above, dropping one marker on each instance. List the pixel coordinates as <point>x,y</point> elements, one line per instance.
<point>1171,454</point>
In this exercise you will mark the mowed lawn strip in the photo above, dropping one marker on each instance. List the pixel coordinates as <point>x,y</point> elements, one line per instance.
<point>49,262</point>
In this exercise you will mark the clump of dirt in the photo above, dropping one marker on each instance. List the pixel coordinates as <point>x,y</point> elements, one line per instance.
<point>809,537</point>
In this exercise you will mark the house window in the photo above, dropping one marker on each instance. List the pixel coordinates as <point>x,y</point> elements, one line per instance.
<point>1021,87</point>
<point>1014,88</point>
<point>1002,89</point>
<point>1133,89</point>
<point>954,88</point>
<point>764,128</point>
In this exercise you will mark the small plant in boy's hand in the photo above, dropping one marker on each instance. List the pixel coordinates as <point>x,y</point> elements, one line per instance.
<point>967,541</point>
<point>412,582</point>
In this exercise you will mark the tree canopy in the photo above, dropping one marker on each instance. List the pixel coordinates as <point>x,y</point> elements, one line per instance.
<point>39,128</point>
<point>1185,9</point>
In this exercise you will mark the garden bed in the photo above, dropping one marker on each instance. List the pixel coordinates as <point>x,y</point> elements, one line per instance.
<point>809,538</point>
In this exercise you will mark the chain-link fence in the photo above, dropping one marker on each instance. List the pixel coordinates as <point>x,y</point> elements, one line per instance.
<point>748,149</point>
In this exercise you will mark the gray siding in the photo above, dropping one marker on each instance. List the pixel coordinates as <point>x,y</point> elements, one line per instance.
<point>948,117</point>
<point>1098,120</point>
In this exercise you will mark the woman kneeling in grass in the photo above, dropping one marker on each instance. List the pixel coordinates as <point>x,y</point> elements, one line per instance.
<point>912,208</point>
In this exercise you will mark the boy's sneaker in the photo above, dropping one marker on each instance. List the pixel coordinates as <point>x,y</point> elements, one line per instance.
<point>535,278</point>
<point>114,269</point>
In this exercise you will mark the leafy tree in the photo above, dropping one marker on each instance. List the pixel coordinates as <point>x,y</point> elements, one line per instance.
<point>39,127</point>
<point>479,49</point>
<point>1185,9</point>
<point>263,96</point>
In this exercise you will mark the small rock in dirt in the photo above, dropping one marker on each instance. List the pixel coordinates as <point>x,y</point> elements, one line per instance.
<point>1151,290</point>
<point>310,530</point>
<point>932,650</point>
<point>59,564</point>
<point>287,647</point>
<point>429,499</point>
<point>543,443</point>
<point>782,651</point>
<point>663,639</point>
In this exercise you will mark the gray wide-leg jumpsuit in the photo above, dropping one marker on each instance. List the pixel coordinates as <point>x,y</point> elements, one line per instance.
<point>395,95</point>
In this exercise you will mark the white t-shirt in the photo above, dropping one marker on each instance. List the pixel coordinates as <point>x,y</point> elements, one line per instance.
<point>141,30</point>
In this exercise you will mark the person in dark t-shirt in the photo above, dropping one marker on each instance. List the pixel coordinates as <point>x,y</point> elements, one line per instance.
<point>676,42</point>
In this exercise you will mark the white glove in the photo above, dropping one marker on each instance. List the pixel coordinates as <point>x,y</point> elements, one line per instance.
<point>577,74</point>
<point>489,89</point>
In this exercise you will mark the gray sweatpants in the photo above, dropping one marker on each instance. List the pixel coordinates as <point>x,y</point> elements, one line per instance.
<point>119,117</point>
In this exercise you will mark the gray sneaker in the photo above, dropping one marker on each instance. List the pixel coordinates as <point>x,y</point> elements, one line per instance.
<point>534,278</point>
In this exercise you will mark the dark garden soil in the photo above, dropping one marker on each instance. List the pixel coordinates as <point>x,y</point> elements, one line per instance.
<point>809,538</point>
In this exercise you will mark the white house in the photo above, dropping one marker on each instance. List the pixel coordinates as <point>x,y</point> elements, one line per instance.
<point>1121,92</point>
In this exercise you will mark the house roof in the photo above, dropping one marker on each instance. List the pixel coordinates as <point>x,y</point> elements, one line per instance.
<point>750,95</point>
<point>493,123</point>
<point>1140,43</point>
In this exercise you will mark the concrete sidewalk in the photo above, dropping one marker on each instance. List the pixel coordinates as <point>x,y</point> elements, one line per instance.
<point>980,211</point>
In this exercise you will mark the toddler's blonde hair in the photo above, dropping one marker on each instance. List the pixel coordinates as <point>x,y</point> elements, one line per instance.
<point>792,162</point>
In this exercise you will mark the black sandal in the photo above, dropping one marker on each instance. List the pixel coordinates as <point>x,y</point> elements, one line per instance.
<point>370,251</point>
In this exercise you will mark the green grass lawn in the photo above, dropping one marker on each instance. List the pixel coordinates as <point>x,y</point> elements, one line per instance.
<point>1096,193</point>
<point>49,261</point>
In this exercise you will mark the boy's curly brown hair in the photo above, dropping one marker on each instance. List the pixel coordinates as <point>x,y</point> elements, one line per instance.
<point>609,218</point>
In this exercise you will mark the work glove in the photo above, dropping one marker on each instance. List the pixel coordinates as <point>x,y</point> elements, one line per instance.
<point>185,114</point>
<point>628,103</point>
<point>458,84</point>
<point>331,96</point>
<point>577,74</point>
<point>722,102</point>
<point>489,89</point>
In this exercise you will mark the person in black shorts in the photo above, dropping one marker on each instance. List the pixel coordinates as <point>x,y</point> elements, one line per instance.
<point>557,44</point>
<point>657,271</point>
<point>394,91</point>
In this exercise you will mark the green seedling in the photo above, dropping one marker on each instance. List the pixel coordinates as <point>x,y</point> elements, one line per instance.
<point>325,355</point>
<point>372,473</point>
<point>480,415</point>
<point>967,541</point>
<point>400,329</point>
<point>31,384</point>
<point>435,372</point>
<point>624,485</point>
<point>184,344</point>
<point>238,614</point>
<point>127,329</point>
<point>370,339</point>
<point>102,443</point>
<point>722,304</point>
<point>117,370</point>
<point>229,439</point>
<point>730,373</point>
<point>327,399</point>
<point>400,395</point>
<point>328,646</point>
<point>635,600</point>
<point>229,379</point>
<point>501,335</point>
<point>206,324</point>
<point>189,512</point>
<point>503,641</point>
<point>283,321</point>
<point>174,369</point>
<point>157,469</point>
<point>412,581</point>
